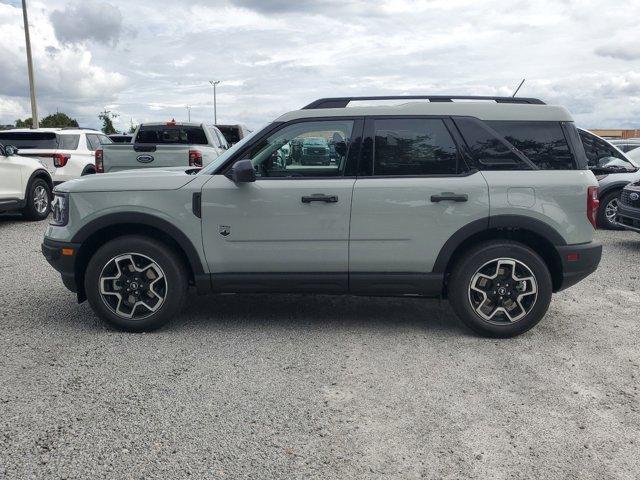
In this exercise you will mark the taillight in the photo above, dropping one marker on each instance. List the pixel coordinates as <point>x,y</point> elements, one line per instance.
<point>60,159</point>
<point>592,205</point>
<point>195,158</point>
<point>99,164</point>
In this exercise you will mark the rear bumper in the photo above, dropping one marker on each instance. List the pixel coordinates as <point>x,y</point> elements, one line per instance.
<point>63,262</point>
<point>578,262</point>
<point>628,217</point>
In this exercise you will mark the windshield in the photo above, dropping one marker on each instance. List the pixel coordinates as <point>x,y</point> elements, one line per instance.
<point>634,157</point>
<point>213,166</point>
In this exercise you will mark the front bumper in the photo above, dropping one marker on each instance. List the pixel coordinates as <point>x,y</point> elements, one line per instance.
<point>628,217</point>
<point>62,257</point>
<point>578,262</point>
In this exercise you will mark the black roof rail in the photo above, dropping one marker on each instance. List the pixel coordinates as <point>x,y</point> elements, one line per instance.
<point>342,102</point>
<point>79,128</point>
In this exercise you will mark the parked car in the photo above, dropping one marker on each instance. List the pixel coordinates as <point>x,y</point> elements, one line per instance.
<point>431,201</point>
<point>25,186</point>
<point>614,170</point>
<point>626,145</point>
<point>170,144</point>
<point>628,215</point>
<point>66,153</point>
<point>121,138</point>
<point>315,151</point>
<point>233,133</point>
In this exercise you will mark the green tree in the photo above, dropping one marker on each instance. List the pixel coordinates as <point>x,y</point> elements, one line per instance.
<point>107,117</point>
<point>132,127</point>
<point>58,120</point>
<point>26,123</point>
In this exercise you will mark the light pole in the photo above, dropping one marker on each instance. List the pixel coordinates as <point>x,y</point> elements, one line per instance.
<point>215,112</point>
<point>188,112</point>
<point>32,82</point>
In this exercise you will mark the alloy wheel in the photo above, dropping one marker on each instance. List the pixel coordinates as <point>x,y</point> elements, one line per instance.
<point>40,199</point>
<point>503,291</point>
<point>133,286</point>
<point>611,210</point>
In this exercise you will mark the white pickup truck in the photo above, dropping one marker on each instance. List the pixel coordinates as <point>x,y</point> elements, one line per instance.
<point>170,144</point>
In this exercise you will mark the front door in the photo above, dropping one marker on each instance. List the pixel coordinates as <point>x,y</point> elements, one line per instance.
<point>415,194</point>
<point>288,230</point>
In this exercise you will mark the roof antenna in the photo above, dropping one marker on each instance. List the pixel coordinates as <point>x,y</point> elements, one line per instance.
<point>514,93</point>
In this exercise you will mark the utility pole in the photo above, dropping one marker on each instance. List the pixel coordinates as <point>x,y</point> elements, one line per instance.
<point>32,82</point>
<point>188,112</point>
<point>215,112</point>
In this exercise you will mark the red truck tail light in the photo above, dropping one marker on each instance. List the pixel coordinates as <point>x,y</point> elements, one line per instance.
<point>60,159</point>
<point>99,164</point>
<point>592,205</point>
<point>195,158</point>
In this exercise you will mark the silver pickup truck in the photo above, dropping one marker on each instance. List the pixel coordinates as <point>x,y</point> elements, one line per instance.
<point>170,144</point>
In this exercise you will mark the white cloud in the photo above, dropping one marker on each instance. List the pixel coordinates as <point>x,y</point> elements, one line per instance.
<point>280,55</point>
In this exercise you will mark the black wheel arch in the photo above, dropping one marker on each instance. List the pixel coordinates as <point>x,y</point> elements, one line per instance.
<point>39,173</point>
<point>98,232</point>
<point>616,186</point>
<point>539,236</point>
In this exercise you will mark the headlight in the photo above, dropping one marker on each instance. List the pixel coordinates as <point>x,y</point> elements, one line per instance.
<point>59,209</point>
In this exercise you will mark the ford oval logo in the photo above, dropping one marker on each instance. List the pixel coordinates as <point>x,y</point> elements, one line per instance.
<point>145,158</point>
<point>634,196</point>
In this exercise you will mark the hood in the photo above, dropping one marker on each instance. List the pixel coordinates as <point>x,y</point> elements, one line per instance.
<point>171,178</point>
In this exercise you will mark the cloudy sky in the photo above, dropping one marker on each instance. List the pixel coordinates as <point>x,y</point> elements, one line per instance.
<point>147,59</point>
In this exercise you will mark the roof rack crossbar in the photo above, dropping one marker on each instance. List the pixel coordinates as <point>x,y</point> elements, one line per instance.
<point>342,102</point>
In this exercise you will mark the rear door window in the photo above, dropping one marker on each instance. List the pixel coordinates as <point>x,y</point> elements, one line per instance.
<point>25,140</point>
<point>413,147</point>
<point>543,143</point>
<point>171,134</point>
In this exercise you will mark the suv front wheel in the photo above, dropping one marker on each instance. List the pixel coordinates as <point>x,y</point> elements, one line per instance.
<point>38,200</point>
<point>500,288</point>
<point>136,283</point>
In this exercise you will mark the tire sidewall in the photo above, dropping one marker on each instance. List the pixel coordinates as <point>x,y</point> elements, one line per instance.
<point>172,266</point>
<point>30,209</point>
<point>603,221</point>
<point>469,265</point>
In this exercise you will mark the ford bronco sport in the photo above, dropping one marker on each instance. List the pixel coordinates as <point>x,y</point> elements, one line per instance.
<point>486,201</point>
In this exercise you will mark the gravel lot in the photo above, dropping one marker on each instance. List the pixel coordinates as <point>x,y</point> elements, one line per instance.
<point>260,386</point>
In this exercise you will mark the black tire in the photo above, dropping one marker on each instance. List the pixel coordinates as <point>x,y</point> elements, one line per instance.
<point>460,292</point>
<point>33,210</point>
<point>173,270</point>
<point>602,220</point>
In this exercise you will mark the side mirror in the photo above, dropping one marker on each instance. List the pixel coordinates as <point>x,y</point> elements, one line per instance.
<point>242,172</point>
<point>10,150</point>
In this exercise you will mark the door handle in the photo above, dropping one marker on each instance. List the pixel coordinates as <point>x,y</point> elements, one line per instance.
<point>449,197</point>
<point>320,197</point>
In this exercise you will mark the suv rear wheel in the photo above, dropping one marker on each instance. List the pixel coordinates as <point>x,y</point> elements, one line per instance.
<point>608,210</point>
<point>500,288</point>
<point>38,200</point>
<point>136,283</point>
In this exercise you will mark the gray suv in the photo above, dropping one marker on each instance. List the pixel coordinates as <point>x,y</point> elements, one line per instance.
<point>487,202</point>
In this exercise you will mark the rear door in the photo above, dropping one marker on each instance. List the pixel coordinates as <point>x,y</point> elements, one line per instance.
<point>413,192</point>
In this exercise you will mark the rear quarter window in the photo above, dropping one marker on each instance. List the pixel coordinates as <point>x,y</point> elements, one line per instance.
<point>68,142</point>
<point>543,143</point>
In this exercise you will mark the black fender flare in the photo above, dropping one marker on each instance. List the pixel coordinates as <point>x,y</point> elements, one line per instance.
<point>141,219</point>
<point>503,222</point>
<point>619,185</point>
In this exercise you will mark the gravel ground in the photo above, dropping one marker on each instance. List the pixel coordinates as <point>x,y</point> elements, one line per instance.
<point>260,386</point>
